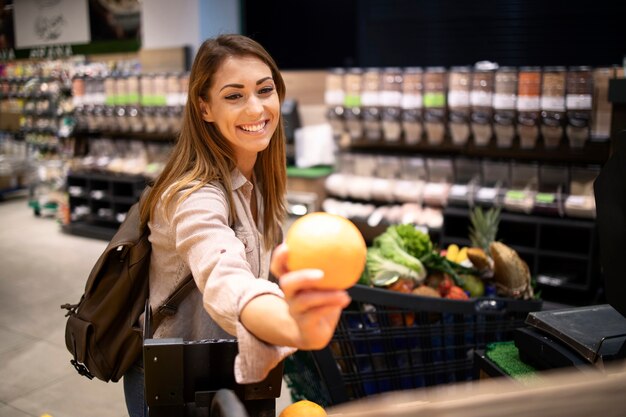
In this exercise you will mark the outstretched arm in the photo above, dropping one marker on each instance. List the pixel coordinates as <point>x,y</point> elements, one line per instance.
<point>306,318</point>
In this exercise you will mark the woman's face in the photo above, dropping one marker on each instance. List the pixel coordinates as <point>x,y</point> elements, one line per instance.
<point>244,105</point>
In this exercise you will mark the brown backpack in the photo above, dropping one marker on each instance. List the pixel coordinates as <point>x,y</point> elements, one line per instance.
<point>102,331</point>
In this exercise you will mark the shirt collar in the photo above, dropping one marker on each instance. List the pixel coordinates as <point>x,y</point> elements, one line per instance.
<point>238,180</point>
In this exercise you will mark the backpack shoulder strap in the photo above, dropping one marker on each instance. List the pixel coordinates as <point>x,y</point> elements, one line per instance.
<point>170,305</point>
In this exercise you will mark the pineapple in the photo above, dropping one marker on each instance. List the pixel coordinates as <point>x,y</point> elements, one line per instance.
<point>484,227</point>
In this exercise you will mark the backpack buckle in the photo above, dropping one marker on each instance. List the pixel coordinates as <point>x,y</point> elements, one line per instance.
<point>167,310</point>
<point>81,369</point>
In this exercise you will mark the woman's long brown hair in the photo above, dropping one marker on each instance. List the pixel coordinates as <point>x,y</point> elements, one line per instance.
<point>202,154</point>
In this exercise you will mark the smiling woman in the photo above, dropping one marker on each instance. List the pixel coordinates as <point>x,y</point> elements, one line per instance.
<point>244,105</point>
<point>217,211</point>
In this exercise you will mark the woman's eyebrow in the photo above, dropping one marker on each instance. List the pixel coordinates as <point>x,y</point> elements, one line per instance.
<point>261,81</point>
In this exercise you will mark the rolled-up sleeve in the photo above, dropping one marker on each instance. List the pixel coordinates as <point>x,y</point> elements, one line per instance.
<point>217,259</point>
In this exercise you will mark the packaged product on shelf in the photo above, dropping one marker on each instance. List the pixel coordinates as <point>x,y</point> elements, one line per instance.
<point>504,105</point>
<point>524,184</point>
<point>370,104</point>
<point>496,178</point>
<point>481,98</point>
<point>578,104</point>
<point>409,186</point>
<point>581,201</point>
<point>466,179</point>
<point>553,181</point>
<point>437,187</point>
<point>528,106</point>
<point>412,117</point>
<point>552,106</point>
<point>352,103</point>
<point>459,83</point>
<point>435,113</point>
<point>334,96</point>
<point>383,182</point>
<point>391,102</point>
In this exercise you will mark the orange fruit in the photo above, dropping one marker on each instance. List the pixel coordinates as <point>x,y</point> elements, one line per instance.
<point>328,242</point>
<point>303,408</point>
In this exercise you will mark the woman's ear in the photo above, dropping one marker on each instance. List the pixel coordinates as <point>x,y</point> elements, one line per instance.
<point>205,110</point>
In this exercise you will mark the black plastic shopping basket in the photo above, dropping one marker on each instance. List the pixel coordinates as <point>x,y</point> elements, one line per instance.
<point>389,341</point>
<point>195,378</point>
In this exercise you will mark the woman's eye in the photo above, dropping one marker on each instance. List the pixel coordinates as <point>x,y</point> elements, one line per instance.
<point>233,96</point>
<point>266,90</point>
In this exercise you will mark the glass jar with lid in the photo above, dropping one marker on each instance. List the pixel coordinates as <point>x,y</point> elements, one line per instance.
<point>334,99</point>
<point>352,103</point>
<point>578,104</point>
<point>528,106</point>
<point>412,105</point>
<point>552,106</point>
<point>435,113</point>
<point>370,104</point>
<point>504,104</point>
<point>391,102</point>
<point>481,98</point>
<point>459,83</point>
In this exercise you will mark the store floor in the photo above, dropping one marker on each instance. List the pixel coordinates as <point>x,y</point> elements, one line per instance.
<point>40,269</point>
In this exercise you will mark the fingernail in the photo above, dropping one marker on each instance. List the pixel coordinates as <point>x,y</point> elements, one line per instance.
<point>316,274</point>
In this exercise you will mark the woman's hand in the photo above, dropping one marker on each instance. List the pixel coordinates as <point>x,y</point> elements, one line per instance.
<point>316,312</point>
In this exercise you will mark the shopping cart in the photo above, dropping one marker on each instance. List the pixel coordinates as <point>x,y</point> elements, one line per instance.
<point>389,341</point>
<point>195,378</point>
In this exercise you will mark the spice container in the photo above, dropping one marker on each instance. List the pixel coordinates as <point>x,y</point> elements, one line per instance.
<point>435,113</point>
<point>466,179</point>
<point>481,99</point>
<point>528,106</point>
<point>581,202</point>
<point>409,187</point>
<point>352,103</point>
<point>391,104</point>
<point>370,105</point>
<point>496,178</point>
<point>552,106</point>
<point>334,96</point>
<point>578,105</point>
<point>133,101</point>
<point>552,184</point>
<point>459,82</point>
<point>524,183</point>
<point>412,105</point>
<point>437,188</point>
<point>504,104</point>
<point>121,102</point>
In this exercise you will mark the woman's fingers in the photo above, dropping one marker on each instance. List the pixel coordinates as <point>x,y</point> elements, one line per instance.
<point>278,264</point>
<point>308,300</point>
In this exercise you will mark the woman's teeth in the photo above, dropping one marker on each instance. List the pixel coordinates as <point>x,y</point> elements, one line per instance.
<point>253,128</point>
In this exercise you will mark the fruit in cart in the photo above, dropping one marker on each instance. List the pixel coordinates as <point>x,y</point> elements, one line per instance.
<point>426,291</point>
<point>510,272</point>
<point>328,242</point>
<point>303,408</point>
<point>474,285</point>
<point>462,256</point>
<point>483,227</point>
<point>456,293</point>
<point>479,259</point>
<point>445,285</point>
<point>452,252</point>
<point>401,319</point>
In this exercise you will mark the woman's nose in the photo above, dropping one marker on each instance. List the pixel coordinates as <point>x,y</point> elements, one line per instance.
<point>254,106</point>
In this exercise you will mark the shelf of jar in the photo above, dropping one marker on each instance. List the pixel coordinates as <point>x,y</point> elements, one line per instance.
<point>594,151</point>
<point>119,134</point>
